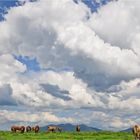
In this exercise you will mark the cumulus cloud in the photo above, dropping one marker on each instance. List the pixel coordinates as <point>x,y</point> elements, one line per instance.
<point>40,118</point>
<point>33,94</point>
<point>107,26</point>
<point>68,38</point>
<point>10,66</point>
<point>111,121</point>
<point>88,61</point>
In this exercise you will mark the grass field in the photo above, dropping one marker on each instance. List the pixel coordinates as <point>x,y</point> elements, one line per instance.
<point>67,136</point>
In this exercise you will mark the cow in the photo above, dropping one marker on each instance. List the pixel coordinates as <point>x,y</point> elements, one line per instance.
<point>35,129</point>
<point>28,129</point>
<point>77,128</point>
<point>21,129</point>
<point>54,128</point>
<point>136,132</point>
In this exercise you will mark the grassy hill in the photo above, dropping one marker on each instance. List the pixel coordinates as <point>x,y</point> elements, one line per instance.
<point>67,136</point>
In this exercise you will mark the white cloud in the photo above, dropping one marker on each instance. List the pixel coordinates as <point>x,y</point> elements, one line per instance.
<point>118,24</point>
<point>125,96</point>
<point>10,66</point>
<point>65,39</point>
<point>83,39</point>
<point>27,118</point>
<point>30,92</point>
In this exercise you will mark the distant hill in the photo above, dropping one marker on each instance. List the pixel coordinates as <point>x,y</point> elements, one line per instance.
<point>127,130</point>
<point>70,127</point>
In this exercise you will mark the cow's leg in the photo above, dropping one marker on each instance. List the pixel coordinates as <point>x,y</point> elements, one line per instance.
<point>14,130</point>
<point>138,136</point>
<point>135,136</point>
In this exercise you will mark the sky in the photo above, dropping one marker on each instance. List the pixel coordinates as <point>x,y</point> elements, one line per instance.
<point>71,62</point>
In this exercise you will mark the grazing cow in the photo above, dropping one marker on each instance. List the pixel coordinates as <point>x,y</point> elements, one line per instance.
<point>18,128</point>
<point>28,129</point>
<point>36,129</point>
<point>33,128</point>
<point>54,129</point>
<point>136,132</point>
<point>59,129</point>
<point>77,128</point>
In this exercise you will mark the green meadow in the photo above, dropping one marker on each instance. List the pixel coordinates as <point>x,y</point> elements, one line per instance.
<point>67,136</point>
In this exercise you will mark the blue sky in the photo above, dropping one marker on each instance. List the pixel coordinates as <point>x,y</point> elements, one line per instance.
<point>4,4</point>
<point>67,68</point>
<point>31,63</point>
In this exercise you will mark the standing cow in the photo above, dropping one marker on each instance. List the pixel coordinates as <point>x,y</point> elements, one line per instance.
<point>28,129</point>
<point>54,129</point>
<point>136,132</point>
<point>77,128</point>
<point>21,129</point>
<point>36,129</point>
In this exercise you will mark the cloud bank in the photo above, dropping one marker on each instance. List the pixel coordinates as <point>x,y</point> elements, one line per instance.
<point>89,64</point>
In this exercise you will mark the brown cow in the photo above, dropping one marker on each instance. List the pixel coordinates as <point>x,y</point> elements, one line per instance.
<point>136,132</point>
<point>28,129</point>
<point>18,128</point>
<point>77,128</point>
<point>33,128</point>
<point>54,128</point>
<point>36,129</point>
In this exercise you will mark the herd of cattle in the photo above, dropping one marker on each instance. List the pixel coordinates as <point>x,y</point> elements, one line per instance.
<point>22,129</point>
<point>36,129</point>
